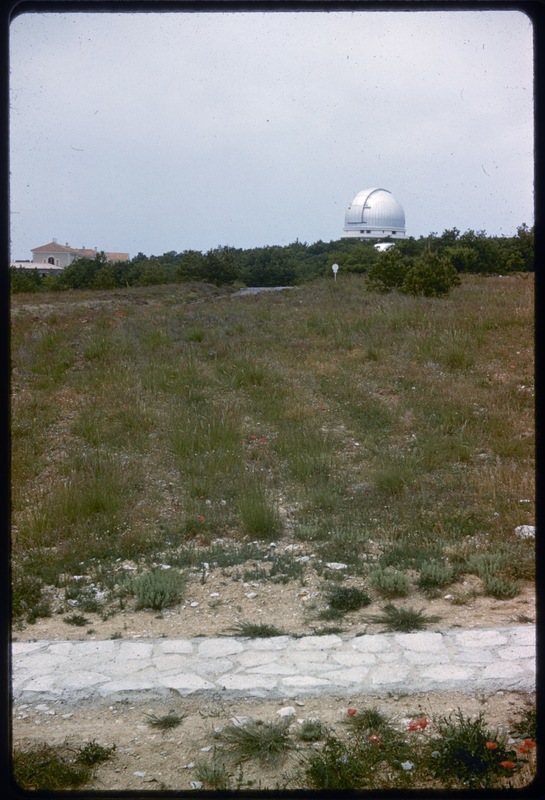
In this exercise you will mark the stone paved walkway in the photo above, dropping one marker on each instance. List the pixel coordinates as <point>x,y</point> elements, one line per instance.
<point>475,660</point>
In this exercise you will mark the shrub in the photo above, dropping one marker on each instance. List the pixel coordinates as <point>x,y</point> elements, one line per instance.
<point>388,272</point>
<point>158,589</point>
<point>390,583</point>
<point>431,275</point>
<point>501,588</point>
<point>435,574</point>
<point>347,598</point>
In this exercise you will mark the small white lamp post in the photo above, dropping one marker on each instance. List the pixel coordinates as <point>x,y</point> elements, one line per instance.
<point>335,269</point>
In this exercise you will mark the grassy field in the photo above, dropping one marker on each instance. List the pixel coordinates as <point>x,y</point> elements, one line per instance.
<point>149,422</point>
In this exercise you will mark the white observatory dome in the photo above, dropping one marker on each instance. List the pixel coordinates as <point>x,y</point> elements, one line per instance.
<point>374,214</point>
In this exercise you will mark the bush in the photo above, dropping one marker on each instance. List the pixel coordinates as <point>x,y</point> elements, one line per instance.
<point>347,598</point>
<point>388,272</point>
<point>430,275</point>
<point>390,583</point>
<point>434,575</point>
<point>158,589</point>
<point>501,588</point>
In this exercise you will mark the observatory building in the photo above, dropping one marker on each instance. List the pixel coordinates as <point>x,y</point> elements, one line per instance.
<point>374,214</point>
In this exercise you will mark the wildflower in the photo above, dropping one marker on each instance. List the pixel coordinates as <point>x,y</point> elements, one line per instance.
<point>491,745</point>
<point>526,745</point>
<point>351,712</point>
<point>508,764</point>
<point>262,439</point>
<point>375,739</point>
<point>200,518</point>
<point>418,724</point>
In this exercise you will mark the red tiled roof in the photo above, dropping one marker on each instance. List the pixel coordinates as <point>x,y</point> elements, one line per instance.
<point>83,252</point>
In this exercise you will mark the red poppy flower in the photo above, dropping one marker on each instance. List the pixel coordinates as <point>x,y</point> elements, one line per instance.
<point>351,712</point>
<point>413,726</point>
<point>508,764</point>
<point>200,518</point>
<point>422,722</point>
<point>491,745</point>
<point>527,745</point>
<point>375,739</point>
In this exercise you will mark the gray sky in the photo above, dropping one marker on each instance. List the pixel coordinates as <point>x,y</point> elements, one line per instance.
<point>157,132</point>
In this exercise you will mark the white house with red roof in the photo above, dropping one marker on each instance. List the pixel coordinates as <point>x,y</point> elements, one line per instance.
<point>58,256</point>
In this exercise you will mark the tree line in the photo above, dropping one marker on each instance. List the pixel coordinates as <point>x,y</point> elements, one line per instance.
<point>288,265</point>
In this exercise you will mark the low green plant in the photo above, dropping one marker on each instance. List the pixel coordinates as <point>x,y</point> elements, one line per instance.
<point>214,774</point>
<point>488,564</point>
<point>40,610</point>
<point>166,722</point>
<point>311,730</point>
<point>26,592</point>
<point>158,589</point>
<point>346,598</point>
<point>501,588</point>
<point>266,742</point>
<point>364,761</point>
<point>390,582</point>
<point>51,768</point>
<point>254,630</point>
<point>434,575</point>
<point>76,619</point>
<point>403,620</point>
<point>526,725</point>
<point>371,721</point>
<point>466,754</point>
<point>93,753</point>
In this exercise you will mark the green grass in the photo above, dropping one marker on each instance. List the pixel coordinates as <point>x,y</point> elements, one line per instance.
<point>44,767</point>
<point>342,416</point>
<point>256,630</point>
<point>404,620</point>
<point>267,742</point>
<point>167,721</point>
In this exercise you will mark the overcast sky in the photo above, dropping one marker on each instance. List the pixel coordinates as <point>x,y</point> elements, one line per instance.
<point>175,131</point>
